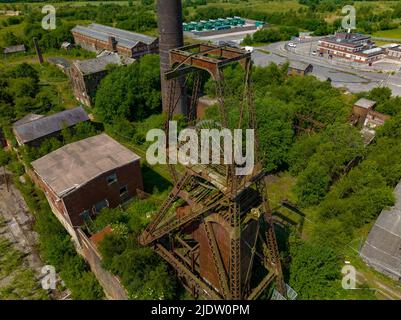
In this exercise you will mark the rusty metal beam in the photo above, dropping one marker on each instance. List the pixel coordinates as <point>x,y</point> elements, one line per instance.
<point>188,274</point>
<point>218,262</point>
<point>176,73</point>
<point>200,59</point>
<point>176,223</point>
<point>262,286</point>
<point>253,250</point>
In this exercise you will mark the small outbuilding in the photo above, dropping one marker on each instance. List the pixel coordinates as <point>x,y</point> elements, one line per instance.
<point>298,68</point>
<point>361,108</point>
<point>14,49</point>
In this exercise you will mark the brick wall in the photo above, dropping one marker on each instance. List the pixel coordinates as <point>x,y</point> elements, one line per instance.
<point>98,189</point>
<point>92,44</point>
<point>110,283</point>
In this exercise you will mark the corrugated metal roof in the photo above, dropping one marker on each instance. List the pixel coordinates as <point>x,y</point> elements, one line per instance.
<point>126,39</point>
<point>382,249</point>
<point>44,126</point>
<point>75,164</point>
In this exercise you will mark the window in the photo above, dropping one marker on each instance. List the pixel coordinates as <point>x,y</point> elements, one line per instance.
<point>101,205</point>
<point>85,216</point>
<point>123,191</point>
<point>111,178</point>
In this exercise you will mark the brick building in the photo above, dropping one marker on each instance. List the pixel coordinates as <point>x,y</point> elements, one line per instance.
<point>86,75</point>
<point>297,68</point>
<point>82,178</point>
<point>393,51</point>
<point>355,47</point>
<point>361,108</point>
<point>32,129</point>
<point>364,115</point>
<point>96,37</point>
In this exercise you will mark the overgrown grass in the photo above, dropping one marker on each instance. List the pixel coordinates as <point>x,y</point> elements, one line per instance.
<point>55,245</point>
<point>21,282</point>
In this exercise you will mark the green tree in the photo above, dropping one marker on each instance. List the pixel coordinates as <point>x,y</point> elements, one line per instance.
<point>24,70</point>
<point>313,270</point>
<point>312,184</point>
<point>131,92</point>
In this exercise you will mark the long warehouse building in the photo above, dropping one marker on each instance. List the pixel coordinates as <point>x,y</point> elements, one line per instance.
<point>97,37</point>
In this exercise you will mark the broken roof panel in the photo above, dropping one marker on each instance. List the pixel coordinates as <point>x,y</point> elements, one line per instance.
<point>44,126</point>
<point>75,164</point>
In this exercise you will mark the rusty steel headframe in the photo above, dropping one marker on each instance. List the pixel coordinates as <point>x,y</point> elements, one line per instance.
<point>208,57</point>
<point>215,228</point>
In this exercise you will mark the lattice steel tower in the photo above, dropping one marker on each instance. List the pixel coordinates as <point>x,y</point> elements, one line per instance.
<point>215,228</point>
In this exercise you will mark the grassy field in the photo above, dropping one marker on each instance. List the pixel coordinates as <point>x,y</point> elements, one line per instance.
<point>393,34</point>
<point>379,6</point>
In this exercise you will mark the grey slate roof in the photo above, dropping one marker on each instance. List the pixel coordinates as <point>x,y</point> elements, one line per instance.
<point>44,126</point>
<point>365,103</point>
<point>126,39</point>
<point>76,164</point>
<point>15,49</point>
<point>97,64</point>
<point>382,249</point>
<point>28,118</point>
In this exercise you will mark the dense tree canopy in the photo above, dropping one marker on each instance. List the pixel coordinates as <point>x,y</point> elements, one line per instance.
<point>312,270</point>
<point>131,93</point>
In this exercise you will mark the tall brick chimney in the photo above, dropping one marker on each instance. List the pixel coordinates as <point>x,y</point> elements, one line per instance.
<point>169,13</point>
